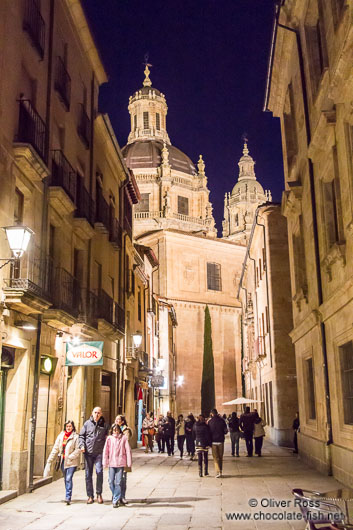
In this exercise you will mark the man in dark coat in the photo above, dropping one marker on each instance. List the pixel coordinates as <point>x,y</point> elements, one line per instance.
<point>91,442</point>
<point>218,428</point>
<point>169,432</point>
<point>247,421</point>
<point>296,425</point>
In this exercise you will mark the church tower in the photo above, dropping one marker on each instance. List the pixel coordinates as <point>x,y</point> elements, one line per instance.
<point>240,205</point>
<point>174,192</point>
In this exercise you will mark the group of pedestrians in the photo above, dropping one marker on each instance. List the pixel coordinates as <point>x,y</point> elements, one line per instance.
<point>102,447</point>
<point>165,429</point>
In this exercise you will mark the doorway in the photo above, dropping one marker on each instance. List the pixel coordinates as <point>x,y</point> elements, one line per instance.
<point>7,362</point>
<point>105,398</point>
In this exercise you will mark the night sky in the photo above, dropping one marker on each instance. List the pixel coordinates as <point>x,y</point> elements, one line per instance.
<point>210,59</point>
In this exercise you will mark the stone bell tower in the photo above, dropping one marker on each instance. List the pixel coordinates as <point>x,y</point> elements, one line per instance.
<point>240,205</point>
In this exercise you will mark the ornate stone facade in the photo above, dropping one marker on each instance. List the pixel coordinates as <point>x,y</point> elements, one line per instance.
<point>310,89</point>
<point>240,205</point>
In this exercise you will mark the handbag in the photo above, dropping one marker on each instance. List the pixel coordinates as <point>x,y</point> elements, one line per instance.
<point>57,463</point>
<point>151,432</point>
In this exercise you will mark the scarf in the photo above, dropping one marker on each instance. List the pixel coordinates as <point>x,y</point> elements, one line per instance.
<point>65,439</point>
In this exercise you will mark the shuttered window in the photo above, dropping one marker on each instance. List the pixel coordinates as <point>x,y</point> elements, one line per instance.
<point>310,388</point>
<point>183,205</point>
<point>144,203</point>
<point>158,121</point>
<point>214,282</point>
<point>145,120</point>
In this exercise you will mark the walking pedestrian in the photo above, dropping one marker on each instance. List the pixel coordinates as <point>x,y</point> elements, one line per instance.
<point>296,428</point>
<point>247,426</point>
<point>169,432</point>
<point>190,440</point>
<point>125,429</point>
<point>218,428</point>
<point>148,431</point>
<point>160,438</point>
<point>66,449</point>
<point>91,441</point>
<point>202,436</point>
<point>180,430</point>
<point>259,433</point>
<point>234,433</point>
<point>116,456</point>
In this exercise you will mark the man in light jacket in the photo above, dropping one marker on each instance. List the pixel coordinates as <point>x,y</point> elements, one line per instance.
<point>92,439</point>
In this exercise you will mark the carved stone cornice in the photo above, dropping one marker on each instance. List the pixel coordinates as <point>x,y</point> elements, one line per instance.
<point>324,135</point>
<point>336,254</point>
<point>292,200</point>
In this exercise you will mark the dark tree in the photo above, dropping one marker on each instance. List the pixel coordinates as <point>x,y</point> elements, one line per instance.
<point>207,386</point>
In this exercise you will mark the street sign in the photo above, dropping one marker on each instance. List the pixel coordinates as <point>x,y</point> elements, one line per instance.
<point>157,380</point>
<point>84,354</point>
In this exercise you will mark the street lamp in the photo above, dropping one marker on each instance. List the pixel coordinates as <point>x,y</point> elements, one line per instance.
<point>18,238</point>
<point>137,339</point>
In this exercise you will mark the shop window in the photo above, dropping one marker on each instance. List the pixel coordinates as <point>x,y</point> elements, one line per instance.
<point>346,362</point>
<point>183,205</point>
<point>144,203</point>
<point>310,388</point>
<point>214,281</point>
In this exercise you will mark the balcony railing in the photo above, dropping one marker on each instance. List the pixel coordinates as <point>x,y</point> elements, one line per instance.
<point>89,307</point>
<point>63,83</point>
<point>119,317</point>
<point>115,234</point>
<point>148,215</point>
<point>102,211</point>
<point>32,275</point>
<point>66,292</point>
<point>31,128</point>
<point>63,174</point>
<point>105,307</point>
<point>84,126</point>
<point>84,202</point>
<point>34,24</point>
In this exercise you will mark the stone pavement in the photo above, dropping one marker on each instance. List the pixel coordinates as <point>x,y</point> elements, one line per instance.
<point>167,493</point>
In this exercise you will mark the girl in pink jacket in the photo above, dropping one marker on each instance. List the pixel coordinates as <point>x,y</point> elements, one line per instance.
<point>116,456</point>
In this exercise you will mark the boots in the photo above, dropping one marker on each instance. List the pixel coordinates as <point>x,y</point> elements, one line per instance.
<point>200,470</point>
<point>206,469</point>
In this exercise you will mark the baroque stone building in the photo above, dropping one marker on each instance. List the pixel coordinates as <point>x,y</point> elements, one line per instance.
<point>310,87</point>
<point>196,268</point>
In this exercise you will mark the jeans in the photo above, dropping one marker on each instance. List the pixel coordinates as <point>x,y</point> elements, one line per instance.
<point>169,440</point>
<point>217,453</point>
<point>90,461</point>
<point>161,444</point>
<point>258,444</point>
<point>115,477</point>
<point>181,440</point>
<point>190,444</point>
<point>68,475</point>
<point>123,485</point>
<point>203,455</point>
<point>249,442</point>
<point>234,438</point>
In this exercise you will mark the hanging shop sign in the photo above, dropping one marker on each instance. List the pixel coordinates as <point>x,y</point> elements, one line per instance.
<point>84,354</point>
<point>157,380</point>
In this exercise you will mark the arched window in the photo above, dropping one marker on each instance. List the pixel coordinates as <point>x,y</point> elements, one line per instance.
<point>236,219</point>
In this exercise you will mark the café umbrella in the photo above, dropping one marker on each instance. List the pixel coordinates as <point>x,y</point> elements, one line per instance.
<point>242,401</point>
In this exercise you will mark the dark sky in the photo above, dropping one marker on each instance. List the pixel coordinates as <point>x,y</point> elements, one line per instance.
<point>209,58</point>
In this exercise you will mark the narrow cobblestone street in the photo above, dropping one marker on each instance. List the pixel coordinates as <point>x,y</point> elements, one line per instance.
<point>166,492</point>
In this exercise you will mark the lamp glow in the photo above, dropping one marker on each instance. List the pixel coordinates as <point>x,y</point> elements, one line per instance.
<point>180,380</point>
<point>18,238</point>
<point>23,324</point>
<point>48,364</point>
<point>76,341</point>
<point>137,338</point>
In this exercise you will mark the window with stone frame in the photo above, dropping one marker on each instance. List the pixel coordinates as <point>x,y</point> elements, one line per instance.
<point>299,256</point>
<point>158,121</point>
<point>144,203</point>
<point>310,388</point>
<point>18,207</point>
<point>145,120</point>
<point>316,43</point>
<point>346,363</point>
<point>330,210</point>
<point>135,122</point>
<point>214,280</point>
<point>183,205</point>
<point>290,127</point>
<point>337,7</point>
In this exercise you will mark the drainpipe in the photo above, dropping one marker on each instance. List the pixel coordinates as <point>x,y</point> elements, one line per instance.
<point>33,419</point>
<point>329,440</point>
